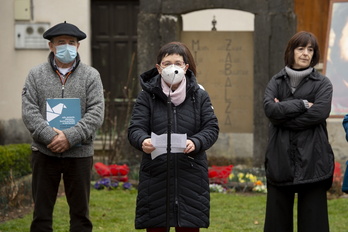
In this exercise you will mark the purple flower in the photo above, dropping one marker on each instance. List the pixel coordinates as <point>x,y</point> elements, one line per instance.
<point>111,184</point>
<point>106,182</point>
<point>114,184</point>
<point>127,185</point>
<point>98,186</point>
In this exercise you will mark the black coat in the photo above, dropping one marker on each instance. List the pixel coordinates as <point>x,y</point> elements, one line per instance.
<point>298,150</point>
<point>189,192</point>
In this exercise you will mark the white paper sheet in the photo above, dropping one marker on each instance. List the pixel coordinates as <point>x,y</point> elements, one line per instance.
<point>178,143</point>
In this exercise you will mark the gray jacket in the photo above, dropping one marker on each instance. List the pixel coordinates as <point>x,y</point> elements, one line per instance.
<point>84,83</point>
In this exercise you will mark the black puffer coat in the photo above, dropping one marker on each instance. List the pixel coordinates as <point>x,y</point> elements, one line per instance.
<point>298,151</point>
<point>189,185</point>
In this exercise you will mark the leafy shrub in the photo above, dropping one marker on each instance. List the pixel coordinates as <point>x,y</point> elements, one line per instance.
<point>14,161</point>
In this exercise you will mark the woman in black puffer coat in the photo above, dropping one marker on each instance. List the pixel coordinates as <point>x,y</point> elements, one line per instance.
<point>192,114</point>
<point>299,158</point>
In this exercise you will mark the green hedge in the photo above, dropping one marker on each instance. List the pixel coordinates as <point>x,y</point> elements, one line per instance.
<point>15,157</point>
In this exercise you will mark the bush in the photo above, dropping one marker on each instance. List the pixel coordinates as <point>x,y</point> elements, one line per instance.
<point>14,161</point>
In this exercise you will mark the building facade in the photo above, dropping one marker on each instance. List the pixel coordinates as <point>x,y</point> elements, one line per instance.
<point>123,38</point>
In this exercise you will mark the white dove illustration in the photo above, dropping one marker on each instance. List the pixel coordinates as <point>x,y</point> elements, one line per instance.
<point>55,111</point>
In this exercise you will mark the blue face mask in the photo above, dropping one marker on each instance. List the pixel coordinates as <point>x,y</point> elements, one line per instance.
<point>66,53</point>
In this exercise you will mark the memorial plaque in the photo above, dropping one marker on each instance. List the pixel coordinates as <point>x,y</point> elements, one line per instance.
<point>225,69</point>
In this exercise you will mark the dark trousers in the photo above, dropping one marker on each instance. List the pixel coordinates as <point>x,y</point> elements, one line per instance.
<point>177,229</point>
<point>47,174</point>
<point>312,213</point>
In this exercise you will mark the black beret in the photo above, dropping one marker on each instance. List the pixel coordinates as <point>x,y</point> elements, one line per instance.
<point>64,29</point>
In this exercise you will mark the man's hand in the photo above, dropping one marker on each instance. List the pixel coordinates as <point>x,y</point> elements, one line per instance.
<point>59,143</point>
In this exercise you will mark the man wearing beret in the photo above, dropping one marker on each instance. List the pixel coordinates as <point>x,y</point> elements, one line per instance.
<point>66,153</point>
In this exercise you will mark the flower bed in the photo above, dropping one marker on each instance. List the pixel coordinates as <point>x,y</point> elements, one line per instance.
<point>112,176</point>
<point>237,179</point>
<point>111,183</point>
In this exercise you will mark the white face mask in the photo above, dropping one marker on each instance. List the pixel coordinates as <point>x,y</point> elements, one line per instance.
<point>173,74</point>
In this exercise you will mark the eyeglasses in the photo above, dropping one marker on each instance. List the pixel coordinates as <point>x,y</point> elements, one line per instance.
<point>177,63</point>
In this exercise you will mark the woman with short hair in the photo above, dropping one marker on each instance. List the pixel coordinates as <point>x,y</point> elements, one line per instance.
<point>192,114</point>
<point>299,158</point>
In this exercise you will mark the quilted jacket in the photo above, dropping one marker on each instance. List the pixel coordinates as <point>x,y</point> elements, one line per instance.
<point>189,184</point>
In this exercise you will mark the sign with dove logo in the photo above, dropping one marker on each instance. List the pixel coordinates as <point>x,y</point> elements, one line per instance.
<point>63,113</point>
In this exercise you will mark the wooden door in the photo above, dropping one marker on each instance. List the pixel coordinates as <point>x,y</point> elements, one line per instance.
<point>114,43</point>
<point>114,47</point>
<point>312,15</point>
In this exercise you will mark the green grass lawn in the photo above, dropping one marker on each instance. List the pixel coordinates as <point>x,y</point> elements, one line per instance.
<point>113,211</point>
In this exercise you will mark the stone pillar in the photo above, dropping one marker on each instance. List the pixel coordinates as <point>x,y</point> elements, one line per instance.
<point>262,37</point>
<point>273,29</point>
<point>148,40</point>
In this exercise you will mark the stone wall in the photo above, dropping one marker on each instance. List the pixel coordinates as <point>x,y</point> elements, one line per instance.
<point>337,139</point>
<point>13,131</point>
